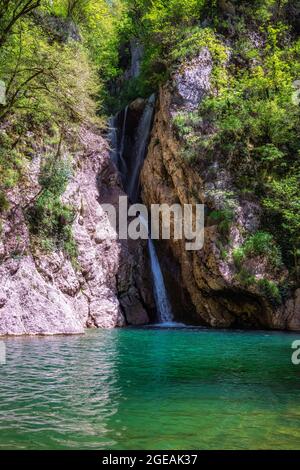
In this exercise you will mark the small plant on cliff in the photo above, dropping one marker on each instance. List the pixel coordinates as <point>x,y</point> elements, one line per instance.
<point>188,128</point>
<point>259,244</point>
<point>224,219</point>
<point>4,204</point>
<point>270,290</point>
<point>50,220</point>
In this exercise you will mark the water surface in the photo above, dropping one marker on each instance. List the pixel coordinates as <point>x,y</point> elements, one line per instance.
<point>154,388</point>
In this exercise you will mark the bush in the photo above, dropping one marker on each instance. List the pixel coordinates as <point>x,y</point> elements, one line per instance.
<point>4,204</point>
<point>50,221</point>
<point>224,218</point>
<point>270,289</point>
<point>259,244</point>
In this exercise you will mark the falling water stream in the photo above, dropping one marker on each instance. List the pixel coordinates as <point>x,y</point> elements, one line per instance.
<point>132,187</point>
<point>140,147</point>
<point>165,315</point>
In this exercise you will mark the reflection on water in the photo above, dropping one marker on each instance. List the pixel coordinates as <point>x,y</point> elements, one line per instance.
<point>151,389</point>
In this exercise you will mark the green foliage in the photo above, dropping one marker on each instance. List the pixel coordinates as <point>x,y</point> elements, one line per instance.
<point>11,12</point>
<point>52,88</point>
<point>11,161</point>
<point>55,175</point>
<point>194,40</point>
<point>283,205</point>
<point>186,125</point>
<point>270,290</point>
<point>224,219</point>
<point>256,133</point>
<point>245,278</point>
<point>47,81</point>
<point>4,204</point>
<point>160,26</point>
<point>50,220</point>
<point>259,244</point>
<point>267,287</point>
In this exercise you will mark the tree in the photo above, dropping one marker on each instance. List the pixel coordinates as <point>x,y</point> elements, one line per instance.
<point>11,11</point>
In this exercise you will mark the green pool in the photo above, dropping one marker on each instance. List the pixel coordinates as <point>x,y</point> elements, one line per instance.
<point>151,389</point>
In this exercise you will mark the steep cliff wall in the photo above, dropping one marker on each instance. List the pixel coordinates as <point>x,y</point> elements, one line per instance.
<point>209,280</point>
<point>44,292</point>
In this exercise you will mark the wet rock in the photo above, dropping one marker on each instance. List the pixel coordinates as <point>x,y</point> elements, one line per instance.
<point>133,309</point>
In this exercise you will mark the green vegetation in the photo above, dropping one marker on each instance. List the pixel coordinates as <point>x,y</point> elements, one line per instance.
<point>259,244</point>
<point>55,59</point>
<point>224,219</point>
<point>63,64</point>
<point>270,289</point>
<point>4,205</point>
<point>50,220</point>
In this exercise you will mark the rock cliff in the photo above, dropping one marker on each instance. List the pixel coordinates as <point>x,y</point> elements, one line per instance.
<point>211,291</point>
<point>44,292</point>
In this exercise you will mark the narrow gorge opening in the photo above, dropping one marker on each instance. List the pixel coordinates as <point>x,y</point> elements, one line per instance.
<point>129,135</point>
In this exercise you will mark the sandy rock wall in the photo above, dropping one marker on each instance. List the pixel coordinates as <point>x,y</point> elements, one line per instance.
<point>212,292</point>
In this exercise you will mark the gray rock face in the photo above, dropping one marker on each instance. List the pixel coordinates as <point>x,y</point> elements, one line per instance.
<point>30,305</point>
<point>44,293</point>
<point>193,82</point>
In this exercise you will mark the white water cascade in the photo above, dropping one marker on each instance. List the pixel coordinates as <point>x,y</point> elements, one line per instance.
<point>123,166</point>
<point>118,144</point>
<point>163,306</point>
<point>140,147</point>
<point>130,172</point>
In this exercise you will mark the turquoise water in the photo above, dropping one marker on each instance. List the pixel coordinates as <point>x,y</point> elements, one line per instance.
<point>151,389</point>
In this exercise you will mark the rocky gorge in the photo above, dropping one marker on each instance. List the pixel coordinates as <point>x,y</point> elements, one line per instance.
<point>153,149</point>
<point>45,293</point>
<point>209,291</point>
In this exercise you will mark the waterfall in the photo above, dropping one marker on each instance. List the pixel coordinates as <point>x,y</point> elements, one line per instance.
<point>140,147</point>
<point>113,139</point>
<point>117,141</point>
<point>131,179</point>
<point>163,306</point>
<point>160,293</point>
<point>123,166</point>
<point>136,52</point>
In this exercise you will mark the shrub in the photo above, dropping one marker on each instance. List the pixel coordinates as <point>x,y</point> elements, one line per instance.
<point>238,256</point>
<point>224,218</point>
<point>50,221</point>
<point>259,244</point>
<point>4,204</point>
<point>245,278</point>
<point>270,289</point>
